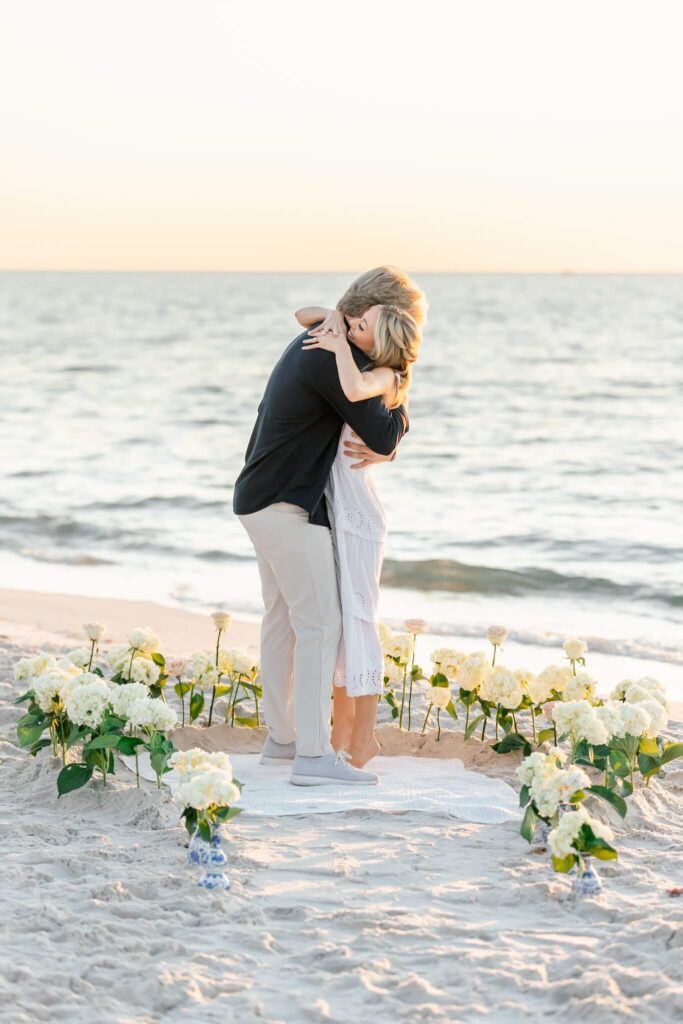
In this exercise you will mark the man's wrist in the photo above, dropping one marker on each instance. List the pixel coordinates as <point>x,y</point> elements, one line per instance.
<point>393,455</point>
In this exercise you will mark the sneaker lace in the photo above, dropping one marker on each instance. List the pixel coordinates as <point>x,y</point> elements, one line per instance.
<point>342,757</point>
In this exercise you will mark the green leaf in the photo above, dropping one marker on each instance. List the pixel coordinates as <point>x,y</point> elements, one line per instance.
<point>29,733</point>
<point>524,796</point>
<point>196,705</point>
<point>97,671</point>
<point>564,864</point>
<point>546,734</point>
<point>450,708</point>
<point>528,823</point>
<point>25,696</point>
<point>391,701</point>
<point>468,697</point>
<point>39,745</point>
<point>619,762</point>
<point>73,776</point>
<point>158,659</point>
<point>249,722</point>
<point>648,745</point>
<point>648,766</point>
<point>204,831</point>
<point>159,761</point>
<point>182,688</point>
<point>671,752</point>
<point>226,813</point>
<point>473,725</point>
<point>617,802</point>
<point>112,722</point>
<point>221,690</point>
<point>110,739</point>
<point>513,741</point>
<point>127,744</point>
<point>190,816</point>
<point>604,854</point>
<point>439,679</point>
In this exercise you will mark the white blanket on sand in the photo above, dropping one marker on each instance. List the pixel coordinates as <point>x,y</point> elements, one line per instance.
<point>406,784</point>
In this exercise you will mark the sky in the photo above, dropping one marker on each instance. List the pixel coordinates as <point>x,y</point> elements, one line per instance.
<point>485,135</point>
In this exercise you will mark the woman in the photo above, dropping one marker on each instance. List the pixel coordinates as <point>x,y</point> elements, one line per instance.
<point>391,337</point>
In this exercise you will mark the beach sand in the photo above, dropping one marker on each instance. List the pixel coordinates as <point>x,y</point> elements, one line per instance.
<point>345,917</point>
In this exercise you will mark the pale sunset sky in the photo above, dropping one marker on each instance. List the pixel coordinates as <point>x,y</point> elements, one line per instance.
<point>486,135</point>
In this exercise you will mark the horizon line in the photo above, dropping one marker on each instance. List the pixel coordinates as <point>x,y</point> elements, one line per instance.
<point>348,270</point>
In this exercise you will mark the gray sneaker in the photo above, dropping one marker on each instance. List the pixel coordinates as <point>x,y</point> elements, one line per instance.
<point>329,770</point>
<point>277,753</point>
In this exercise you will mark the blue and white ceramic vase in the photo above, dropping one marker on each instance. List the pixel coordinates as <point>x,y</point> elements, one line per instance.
<point>214,859</point>
<point>586,880</point>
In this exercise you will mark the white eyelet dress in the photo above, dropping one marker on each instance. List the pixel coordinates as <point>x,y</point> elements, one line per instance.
<point>358,534</point>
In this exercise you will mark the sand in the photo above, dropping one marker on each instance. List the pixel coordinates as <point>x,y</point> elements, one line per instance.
<point>346,917</point>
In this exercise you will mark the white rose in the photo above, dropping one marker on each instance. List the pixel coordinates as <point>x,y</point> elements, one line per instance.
<point>497,634</point>
<point>439,696</point>
<point>221,619</point>
<point>175,668</point>
<point>93,630</point>
<point>243,662</point>
<point>144,639</point>
<point>575,648</point>
<point>415,626</point>
<point>392,672</point>
<point>473,670</point>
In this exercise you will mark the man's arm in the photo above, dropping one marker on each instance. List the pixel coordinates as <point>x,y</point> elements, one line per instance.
<point>308,316</point>
<point>380,428</point>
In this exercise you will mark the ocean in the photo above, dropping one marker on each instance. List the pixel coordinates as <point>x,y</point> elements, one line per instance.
<point>539,486</point>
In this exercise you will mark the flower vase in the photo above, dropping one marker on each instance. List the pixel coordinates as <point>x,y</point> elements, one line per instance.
<point>211,856</point>
<point>586,881</point>
<point>539,839</point>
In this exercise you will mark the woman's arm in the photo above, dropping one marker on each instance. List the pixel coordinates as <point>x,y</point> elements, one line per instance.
<point>356,385</point>
<point>309,315</point>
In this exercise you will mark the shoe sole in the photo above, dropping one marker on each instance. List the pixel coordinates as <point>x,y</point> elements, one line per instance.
<point>325,780</point>
<point>275,760</point>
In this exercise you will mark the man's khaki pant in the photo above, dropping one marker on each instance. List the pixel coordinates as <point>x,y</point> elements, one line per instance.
<point>301,628</point>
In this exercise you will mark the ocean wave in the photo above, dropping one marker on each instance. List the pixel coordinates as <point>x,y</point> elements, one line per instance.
<point>449,575</point>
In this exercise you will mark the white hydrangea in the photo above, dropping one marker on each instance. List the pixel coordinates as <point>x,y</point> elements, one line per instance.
<point>620,719</point>
<point>575,648</point>
<point>209,787</point>
<point>88,701</point>
<point>549,790</point>
<point>582,686</point>
<point>51,690</point>
<point>152,713</point>
<point>579,718</point>
<point>79,657</point>
<point>448,661</point>
<point>187,762</point>
<point>29,668</point>
<point>145,671</point>
<point>644,689</point>
<point>472,672</point>
<point>385,634</point>
<point>562,838</point>
<point>659,719</point>
<point>524,677</point>
<point>535,764</point>
<point>123,696</point>
<point>439,696</point>
<point>144,639</point>
<point>501,686</point>
<point>392,672</point>
<point>553,677</point>
<point>400,645</point>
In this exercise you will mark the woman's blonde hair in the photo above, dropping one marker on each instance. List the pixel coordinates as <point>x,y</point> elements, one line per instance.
<point>397,344</point>
<point>384,286</point>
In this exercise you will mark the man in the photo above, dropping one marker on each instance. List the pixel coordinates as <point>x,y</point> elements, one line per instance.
<point>279,499</point>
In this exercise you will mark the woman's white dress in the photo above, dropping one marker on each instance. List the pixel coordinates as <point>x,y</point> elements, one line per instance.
<point>358,534</point>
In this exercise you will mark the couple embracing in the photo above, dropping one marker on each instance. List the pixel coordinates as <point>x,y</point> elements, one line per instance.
<point>335,404</point>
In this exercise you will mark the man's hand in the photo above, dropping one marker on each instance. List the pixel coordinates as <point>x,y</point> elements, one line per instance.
<point>333,323</point>
<point>359,450</point>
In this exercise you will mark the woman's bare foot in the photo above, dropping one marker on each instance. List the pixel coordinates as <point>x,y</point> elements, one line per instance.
<point>341,734</point>
<point>361,754</point>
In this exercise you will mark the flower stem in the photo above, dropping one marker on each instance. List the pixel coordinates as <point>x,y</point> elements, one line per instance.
<point>213,698</point>
<point>467,717</point>
<point>182,699</point>
<point>514,720</point>
<point>410,702</point>
<point>533,724</point>
<point>92,652</point>
<point>493,661</point>
<point>424,724</point>
<point>438,724</point>
<point>257,716</point>
<point>403,700</point>
<point>130,667</point>
<point>497,715</point>
<point>483,731</point>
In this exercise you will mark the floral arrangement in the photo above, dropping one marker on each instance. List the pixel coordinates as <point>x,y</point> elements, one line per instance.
<point>207,790</point>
